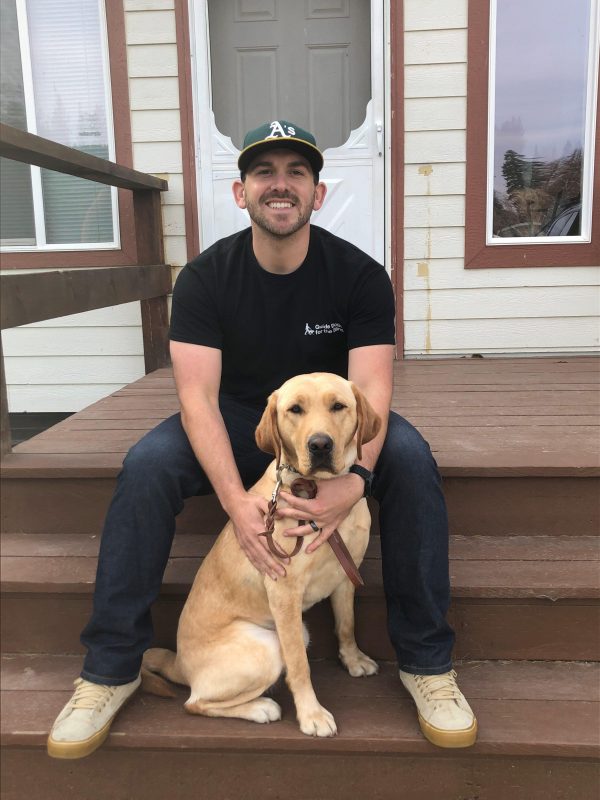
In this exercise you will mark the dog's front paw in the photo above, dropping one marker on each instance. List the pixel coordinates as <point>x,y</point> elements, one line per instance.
<point>358,664</point>
<point>318,723</point>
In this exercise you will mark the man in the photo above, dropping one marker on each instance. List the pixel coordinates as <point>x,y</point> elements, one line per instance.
<point>278,299</point>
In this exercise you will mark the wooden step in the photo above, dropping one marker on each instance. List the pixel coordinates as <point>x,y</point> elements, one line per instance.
<point>512,597</point>
<point>55,501</point>
<point>538,738</point>
<point>516,440</point>
<point>503,417</point>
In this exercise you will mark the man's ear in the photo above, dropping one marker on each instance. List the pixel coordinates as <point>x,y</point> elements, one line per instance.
<point>368,421</point>
<point>320,192</point>
<point>267,433</point>
<point>239,193</point>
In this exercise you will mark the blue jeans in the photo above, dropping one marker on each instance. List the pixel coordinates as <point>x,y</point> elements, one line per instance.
<point>161,471</point>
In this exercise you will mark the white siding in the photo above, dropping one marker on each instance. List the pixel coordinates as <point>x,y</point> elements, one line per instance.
<point>63,365</point>
<point>68,363</point>
<point>450,310</point>
<point>155,121</point>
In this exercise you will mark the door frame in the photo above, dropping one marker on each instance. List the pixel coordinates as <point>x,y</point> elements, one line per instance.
<point>387,15</point>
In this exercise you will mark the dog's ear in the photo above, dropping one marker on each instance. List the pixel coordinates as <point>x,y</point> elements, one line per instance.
<point>368,421</point>
<point>267,434</point>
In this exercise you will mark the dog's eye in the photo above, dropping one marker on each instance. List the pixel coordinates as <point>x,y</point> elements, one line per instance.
<point>338,406</point>
<point>296,409</point>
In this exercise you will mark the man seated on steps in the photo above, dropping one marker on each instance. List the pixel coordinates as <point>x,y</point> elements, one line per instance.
<point>242,314</point>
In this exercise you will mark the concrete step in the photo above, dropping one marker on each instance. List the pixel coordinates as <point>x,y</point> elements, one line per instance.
<point>513,597</point>
<point>538,738</point>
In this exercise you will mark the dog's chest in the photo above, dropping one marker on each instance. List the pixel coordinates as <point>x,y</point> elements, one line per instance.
<point>325,573</point>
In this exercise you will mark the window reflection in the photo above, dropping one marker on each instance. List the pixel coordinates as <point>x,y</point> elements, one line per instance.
<point>540,116</point>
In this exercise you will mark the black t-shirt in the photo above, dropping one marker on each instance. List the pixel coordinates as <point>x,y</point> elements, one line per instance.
<point>271,327</point>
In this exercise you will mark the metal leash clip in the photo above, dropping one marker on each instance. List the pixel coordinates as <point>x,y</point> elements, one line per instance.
<point>278,483</point>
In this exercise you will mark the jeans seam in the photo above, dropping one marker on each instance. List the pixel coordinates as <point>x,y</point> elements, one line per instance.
<point>107,680</point>
<point>415,669</point>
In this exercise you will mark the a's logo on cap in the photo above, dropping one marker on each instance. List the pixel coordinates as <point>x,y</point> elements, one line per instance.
<point>277,130</point>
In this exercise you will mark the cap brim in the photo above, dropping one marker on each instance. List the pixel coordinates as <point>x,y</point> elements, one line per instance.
<point>311,153</point>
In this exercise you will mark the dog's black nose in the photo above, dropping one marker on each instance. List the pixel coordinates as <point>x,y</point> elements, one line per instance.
<point>320,444</point>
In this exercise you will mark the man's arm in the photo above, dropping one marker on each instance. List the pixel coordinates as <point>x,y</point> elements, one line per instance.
<point>371,369</point>
<point>197,371</point>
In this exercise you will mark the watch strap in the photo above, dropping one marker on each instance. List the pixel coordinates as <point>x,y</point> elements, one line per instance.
<point>366,475</point>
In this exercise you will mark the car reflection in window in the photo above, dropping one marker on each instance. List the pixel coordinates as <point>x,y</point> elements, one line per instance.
<point>566,223</point>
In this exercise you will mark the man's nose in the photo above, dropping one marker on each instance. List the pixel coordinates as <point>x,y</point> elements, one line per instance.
<point>279,182</point>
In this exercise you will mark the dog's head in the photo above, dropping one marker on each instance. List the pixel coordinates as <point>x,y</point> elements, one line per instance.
<point>317,423</point>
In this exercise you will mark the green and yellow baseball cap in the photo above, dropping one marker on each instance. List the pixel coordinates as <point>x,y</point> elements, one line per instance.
<point>280,133</point>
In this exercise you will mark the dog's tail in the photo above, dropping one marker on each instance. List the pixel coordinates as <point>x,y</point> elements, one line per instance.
<point>160,662</point>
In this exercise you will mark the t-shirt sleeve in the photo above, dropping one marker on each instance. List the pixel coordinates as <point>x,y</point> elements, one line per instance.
<point>194,310</point>
<point>372,314</point>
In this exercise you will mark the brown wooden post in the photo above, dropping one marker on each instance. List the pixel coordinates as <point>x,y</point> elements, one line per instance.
<point>6,442</point>
<point>155,312</point>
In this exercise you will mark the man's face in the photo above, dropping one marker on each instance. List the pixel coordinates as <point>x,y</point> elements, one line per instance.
<point>279,192</point>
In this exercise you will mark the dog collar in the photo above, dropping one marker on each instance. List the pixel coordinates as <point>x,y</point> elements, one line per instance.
<point>279,479</point>
<point>289,468</point>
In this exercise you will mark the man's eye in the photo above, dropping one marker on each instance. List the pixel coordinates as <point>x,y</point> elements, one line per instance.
<point>338,406</point>
<point>296,409</point>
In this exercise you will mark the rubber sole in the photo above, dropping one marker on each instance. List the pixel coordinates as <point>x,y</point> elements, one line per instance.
<point>449,739</point>
<point>71,750</point>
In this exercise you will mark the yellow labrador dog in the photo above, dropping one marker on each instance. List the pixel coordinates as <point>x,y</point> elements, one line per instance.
<point>239,629</point>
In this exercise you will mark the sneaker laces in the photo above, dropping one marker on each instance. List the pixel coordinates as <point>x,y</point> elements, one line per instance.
<point>439,687</point>
<point>91,695</point>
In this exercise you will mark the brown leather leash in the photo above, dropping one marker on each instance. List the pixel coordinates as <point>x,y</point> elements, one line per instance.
<point>302,487</point>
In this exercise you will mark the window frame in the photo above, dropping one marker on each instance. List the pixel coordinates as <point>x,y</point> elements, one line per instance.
<point>478,252</point>
<point>104,254</point>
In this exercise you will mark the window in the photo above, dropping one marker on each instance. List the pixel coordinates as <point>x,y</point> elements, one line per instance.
<point>532,134</point>
<point>55,82</point>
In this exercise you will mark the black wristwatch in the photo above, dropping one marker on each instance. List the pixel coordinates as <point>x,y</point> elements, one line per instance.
<point>365,475</point>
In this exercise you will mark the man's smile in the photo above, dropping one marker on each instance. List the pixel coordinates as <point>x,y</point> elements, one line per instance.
<point>280,204</point>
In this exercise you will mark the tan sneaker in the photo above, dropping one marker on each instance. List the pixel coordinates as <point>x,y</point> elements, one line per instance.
<point>85,721</point>
<point>445,717</point>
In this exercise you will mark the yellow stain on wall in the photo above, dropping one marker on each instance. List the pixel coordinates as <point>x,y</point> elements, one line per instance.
<point>423,272</point>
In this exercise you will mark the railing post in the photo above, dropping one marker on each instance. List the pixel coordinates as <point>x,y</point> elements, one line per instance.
<point>6,442</point>
<point>149,243</point>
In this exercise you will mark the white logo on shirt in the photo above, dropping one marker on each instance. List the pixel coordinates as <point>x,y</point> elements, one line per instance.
<point>325,327</point>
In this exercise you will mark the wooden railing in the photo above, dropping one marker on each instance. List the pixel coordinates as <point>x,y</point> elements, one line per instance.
<point>33,297</point>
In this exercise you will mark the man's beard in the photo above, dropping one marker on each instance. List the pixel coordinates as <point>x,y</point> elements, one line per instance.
<point>258,216</point>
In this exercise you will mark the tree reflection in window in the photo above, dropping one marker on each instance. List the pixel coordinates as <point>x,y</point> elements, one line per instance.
<point>541,198</point>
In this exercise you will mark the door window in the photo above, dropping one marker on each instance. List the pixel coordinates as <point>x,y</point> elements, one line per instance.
<point>308,61</point>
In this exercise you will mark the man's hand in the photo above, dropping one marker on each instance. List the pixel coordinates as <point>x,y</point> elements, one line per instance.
<point>248,522</point>
<point>328,510</point>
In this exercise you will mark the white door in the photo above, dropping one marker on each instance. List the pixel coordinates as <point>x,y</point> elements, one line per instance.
<point>318,63</point>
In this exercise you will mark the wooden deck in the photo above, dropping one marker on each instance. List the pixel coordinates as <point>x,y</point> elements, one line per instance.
<point>518,444</point>
<point>501,417</point>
